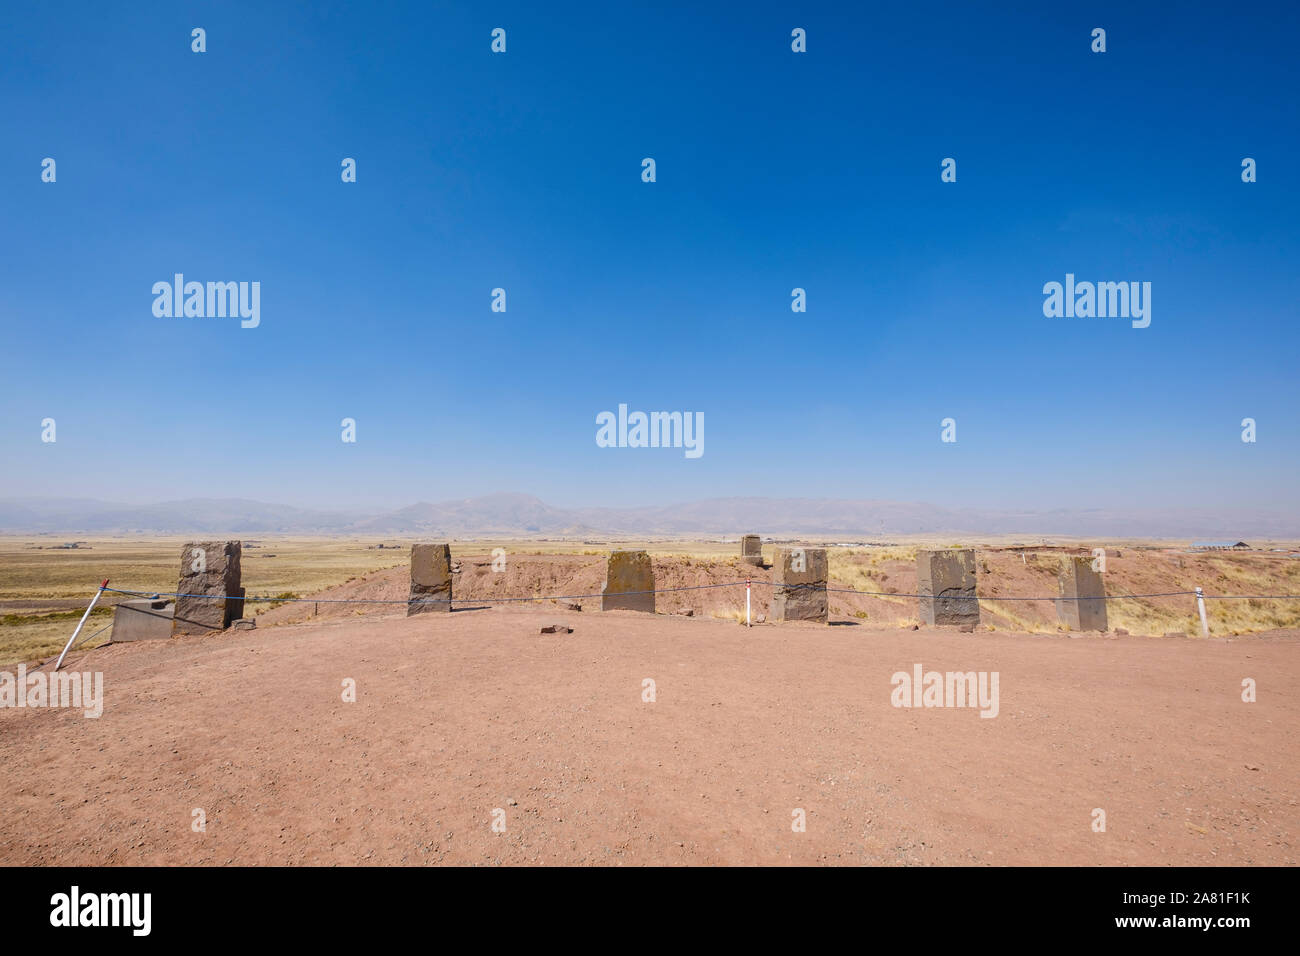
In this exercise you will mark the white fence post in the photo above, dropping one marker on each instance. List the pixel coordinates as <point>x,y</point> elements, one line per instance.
<point>747,624</point>
<point>1200,606</point>
<point>68,646</point>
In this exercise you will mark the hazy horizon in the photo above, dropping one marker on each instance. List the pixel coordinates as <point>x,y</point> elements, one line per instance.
<point>523,515</point>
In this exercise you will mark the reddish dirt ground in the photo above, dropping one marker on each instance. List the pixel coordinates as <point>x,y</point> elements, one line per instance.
<point>459,714</point>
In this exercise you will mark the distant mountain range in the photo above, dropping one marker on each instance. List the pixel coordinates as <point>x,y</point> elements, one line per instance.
<point>519,515</point>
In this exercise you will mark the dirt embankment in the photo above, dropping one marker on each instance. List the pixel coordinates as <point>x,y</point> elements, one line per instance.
<point>866,586</point>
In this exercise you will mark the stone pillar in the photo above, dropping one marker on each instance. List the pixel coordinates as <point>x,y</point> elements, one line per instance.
<point>430,579</point>
<point>210,570</point>
<point>799,585</point>
<point>1081,606</point>
<point>751,550</point>
<point>946,582</point>
<point>629,582</point>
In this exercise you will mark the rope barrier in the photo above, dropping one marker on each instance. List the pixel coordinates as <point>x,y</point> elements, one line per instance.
<point>255,599</point>
<point>982,597</point>
<point>93,636</point>
<point>76,645</point>
<point>541,597</point>
<point>1250,597</point>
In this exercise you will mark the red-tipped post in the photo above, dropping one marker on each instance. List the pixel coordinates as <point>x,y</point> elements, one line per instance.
<point>67,647</point>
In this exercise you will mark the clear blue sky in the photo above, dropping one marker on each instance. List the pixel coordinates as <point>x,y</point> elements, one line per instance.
<point>775,170</point>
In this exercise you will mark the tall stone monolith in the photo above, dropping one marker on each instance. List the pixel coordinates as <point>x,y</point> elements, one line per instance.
<point>945,580</point>
<point>629,582</point>
<point>751,550</point>
<point>430,579</point>
<point>799,585</point>
<point>209,593</point>
<point>1082,604</point>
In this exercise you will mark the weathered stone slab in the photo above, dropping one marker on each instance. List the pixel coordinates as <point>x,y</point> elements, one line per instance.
<point>1081,606</point>
<point>751,550</point>
<point>799,585</point>
<point>946,582</point>
<point>210,572</point>
<point>146,619</point>
<point>629,582</point>
<point>430,579</point>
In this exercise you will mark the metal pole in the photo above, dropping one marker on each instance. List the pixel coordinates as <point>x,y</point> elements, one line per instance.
<point>747,624</point>
<point>68,646</point>
<point>1200,606</point>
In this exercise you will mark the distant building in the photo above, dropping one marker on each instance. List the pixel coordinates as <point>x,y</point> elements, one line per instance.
<point>1220,546</point>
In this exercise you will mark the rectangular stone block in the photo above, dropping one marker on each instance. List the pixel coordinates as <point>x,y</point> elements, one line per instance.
<point>799,585</point>
<point>209,583</point>
<point>946,582</point>
<point>430,579</point>
<point>146,619</point>
<point>1081,606</point>
<point>751,550</point>
<point>629,582</point>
